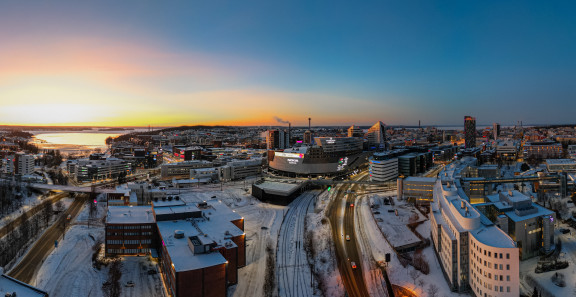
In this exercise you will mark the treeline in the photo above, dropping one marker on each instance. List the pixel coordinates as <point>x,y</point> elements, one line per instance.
<point>17,238</point>
<point>12,196</point>
<point>51,158</point>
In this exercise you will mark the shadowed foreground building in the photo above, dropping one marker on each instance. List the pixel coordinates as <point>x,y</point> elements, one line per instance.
<point>200,246</point>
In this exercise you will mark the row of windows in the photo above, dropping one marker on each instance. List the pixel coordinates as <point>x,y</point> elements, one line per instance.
<point>128,251</point>
<point>489,264</point>
<point>489,253</point>
<point>129,227</point>
<point>496,289</point>
<point>129,233</point>
<point>115,241</point>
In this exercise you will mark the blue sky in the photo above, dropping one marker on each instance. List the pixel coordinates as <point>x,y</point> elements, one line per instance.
<point>244,62</point>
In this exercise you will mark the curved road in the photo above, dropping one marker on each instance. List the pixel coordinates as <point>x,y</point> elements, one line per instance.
<point>30,263</point>
<point>347,251</point>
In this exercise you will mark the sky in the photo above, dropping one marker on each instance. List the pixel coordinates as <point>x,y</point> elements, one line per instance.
<point>169,63</point>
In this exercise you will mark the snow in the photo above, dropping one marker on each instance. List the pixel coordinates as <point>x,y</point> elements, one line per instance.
<point>293,269</point>
<point>543,280</point>
<point>10,285</point>
<point>375,247</point>
<point>68,270</point>
<point>130,215</point>
<point>394,227</point>
<point>318,225</point>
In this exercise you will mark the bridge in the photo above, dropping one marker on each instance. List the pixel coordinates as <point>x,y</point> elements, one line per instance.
<point>75,189</point>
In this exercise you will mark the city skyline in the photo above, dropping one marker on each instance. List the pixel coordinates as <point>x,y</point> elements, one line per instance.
<point>226,63</point>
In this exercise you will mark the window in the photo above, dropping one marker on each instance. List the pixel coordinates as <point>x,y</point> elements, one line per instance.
<point>501,278</point>
<point>500,255</point>
<point>508,279</point>
<point>500,266</point>
<point>507,256</point>
<point>508,289</point>
<point>507,266</point>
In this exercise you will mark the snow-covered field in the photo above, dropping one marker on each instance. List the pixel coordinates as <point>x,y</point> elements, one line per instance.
<point>375,247</point>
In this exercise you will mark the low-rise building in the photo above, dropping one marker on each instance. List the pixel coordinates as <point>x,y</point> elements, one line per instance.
<point>416,189</point>
<point>558,165</point>
<point>182,169</point>
<point>11,287</point>
<point>130,230</point>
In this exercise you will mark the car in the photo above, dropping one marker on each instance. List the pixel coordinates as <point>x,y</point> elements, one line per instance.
<point>129,284</point>
<point>376,212</point>
<point>564,231</point>
<point>353,264</point>
<point>351,204</point>
<point>347,237</point>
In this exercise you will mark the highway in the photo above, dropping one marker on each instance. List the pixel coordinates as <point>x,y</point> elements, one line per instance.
<point>342,221</point>
<point>30,263</point>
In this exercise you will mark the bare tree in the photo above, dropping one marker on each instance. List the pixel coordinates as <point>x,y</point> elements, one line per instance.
<point>414,274</point>
<point>433,290</point>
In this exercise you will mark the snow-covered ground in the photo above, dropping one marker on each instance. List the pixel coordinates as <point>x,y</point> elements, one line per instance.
<point>27,203</point>
<point>376,247</point>
<point>392,225</point>
<point>318,228</point>
<point>68,270</point>
<point>544,280</point>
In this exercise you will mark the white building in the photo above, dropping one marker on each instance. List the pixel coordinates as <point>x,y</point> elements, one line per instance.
<point>24,164</point>
<point>383,168</point>
<point>474,254</point>
<point>416,188</point>
<point>88,170</point>
<point>240,169</point>
<point>171,170</point>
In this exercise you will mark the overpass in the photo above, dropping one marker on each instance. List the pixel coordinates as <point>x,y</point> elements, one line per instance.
<point>75,189</point>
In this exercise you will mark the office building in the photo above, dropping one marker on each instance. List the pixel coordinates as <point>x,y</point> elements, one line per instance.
<point>473,253</point>
<point>383,167</point>
<point>182,169</point>
<point>469,132</point>
<point>130,230</point>
<point>416,189</point>
<point>561,165</point>
<point>543,150</point>
<point>376,136</point>
<point>85,170</point>
<point>355,131</point>
<point>495,130</point>
<point>277,139</point>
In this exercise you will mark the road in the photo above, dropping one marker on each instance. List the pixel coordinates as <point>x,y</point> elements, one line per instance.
<point>294,274</point>
<point>347,251</point>
<point>32,261</point>
<point>31,212</point>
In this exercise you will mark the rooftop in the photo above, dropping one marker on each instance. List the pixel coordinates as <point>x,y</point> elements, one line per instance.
<point>10,285</point>
<point>130,215</point>
<point>493,236</point>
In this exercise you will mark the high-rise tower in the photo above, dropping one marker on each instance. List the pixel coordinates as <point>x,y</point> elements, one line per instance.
<point>469,132</point>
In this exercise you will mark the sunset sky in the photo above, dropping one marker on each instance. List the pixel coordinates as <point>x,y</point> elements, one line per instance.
<point>164,63</point>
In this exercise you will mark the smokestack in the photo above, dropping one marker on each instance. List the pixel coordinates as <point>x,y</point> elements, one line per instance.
<point>309,124</point>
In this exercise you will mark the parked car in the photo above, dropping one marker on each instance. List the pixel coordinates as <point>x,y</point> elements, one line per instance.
<point>564,231</point>
<point>353,265</point>
<point>347,237</point>
<point>129,284</point>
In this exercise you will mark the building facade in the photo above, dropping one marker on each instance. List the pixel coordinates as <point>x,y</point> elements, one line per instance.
<point>469,132</point>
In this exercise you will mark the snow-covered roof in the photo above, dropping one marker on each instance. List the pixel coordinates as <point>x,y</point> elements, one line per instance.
<point>278,187</point>
<point>10,285</point>
<point>161,203</point>
<point>420,179</point>
<point>130,215</point>
<point>180,253</point>
<point>175,209</point>
<point>541,211</point>
<point>493,236</point>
